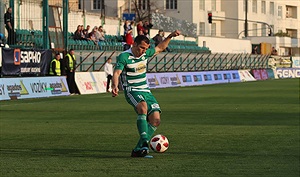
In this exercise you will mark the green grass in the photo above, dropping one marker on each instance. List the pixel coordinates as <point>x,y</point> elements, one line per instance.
<point>239,129</point>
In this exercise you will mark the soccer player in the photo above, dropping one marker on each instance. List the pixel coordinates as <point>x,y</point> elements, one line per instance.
<point>131,66</point>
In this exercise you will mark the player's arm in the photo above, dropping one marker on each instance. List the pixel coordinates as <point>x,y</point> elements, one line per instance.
<point>115,82</point>
<point>164,44</point>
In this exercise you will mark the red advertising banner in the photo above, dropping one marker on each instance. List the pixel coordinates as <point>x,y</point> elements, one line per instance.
<point>260,74</point>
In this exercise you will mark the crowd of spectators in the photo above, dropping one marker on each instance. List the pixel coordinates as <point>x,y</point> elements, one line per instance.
<point>97,34</point>
<point>143,28</point>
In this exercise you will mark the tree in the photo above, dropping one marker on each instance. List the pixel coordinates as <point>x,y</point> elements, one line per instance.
<point>144,9</point>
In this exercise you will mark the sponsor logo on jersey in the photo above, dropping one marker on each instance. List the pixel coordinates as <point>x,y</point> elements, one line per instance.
<point>141,68</point>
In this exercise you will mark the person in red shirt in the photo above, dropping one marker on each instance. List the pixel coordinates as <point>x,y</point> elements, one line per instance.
<point>129,40</point>
<point>139,27</point>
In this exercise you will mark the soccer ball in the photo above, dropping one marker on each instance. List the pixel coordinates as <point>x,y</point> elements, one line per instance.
<point>159,143</point>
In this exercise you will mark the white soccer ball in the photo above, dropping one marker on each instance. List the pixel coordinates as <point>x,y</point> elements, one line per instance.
<point>159,143</point>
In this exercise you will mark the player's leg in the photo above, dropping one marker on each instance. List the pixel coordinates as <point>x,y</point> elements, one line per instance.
<point>137,100</point>
<point>142,147</point>
<point>142,123</point>
<point>153,114</point>
<point>153,123</point>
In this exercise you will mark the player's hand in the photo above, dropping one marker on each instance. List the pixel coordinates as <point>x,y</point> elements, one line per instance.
<point>175,33</point>
<point>115,92</point>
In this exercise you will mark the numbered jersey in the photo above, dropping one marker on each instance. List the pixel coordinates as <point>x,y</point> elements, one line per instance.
<point>134,70</point>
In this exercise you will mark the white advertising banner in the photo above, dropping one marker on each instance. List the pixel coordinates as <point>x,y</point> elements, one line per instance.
<point>33,87</point>
<point>175,79</point>
<point>288,73</point>
<point>246,76</point>
<point>90,82</point>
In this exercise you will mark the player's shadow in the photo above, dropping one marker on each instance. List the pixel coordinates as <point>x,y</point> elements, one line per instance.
<point>86,153</point>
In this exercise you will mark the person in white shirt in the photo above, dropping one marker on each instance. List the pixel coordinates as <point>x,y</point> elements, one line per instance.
<point>108,69</point>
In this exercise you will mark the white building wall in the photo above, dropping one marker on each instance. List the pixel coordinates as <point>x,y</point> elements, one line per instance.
<point>220,45</point>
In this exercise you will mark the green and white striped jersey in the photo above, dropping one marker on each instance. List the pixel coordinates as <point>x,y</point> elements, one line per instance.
<point>134,70</point>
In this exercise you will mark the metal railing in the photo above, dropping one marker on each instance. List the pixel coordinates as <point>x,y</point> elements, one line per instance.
<point>178,62</point>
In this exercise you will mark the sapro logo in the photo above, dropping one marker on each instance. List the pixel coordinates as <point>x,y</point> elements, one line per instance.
<point>31,57</point>
<point>38,87</point>
<point>288,73</point>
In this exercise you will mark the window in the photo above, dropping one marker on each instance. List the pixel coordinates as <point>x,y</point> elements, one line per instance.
<point>98,4</point>
<point>254,26</point>
<point>271,30</point>
<point>213,29</point>
<point>143,4</point>
<point>213,5</point>
<point>280,11</point>
<point>272,8</point>
<point>254,6</point>
<point>264,30</point>
<point>202,29</point>
<point>202,4</point>
<point>263,7</point>
<point>171,4</point>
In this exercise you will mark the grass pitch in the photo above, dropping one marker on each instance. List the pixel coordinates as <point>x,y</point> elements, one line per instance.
<point>238,129</point>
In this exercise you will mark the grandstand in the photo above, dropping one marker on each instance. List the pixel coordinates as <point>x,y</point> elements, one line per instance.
<point>33,39</point>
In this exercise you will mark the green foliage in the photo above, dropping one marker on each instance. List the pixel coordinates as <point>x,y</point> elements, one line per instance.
<point>237,129</point>
<point>282,34</point>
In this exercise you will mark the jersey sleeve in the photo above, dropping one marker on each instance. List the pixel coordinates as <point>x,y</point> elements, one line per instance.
<point>150,52</point>
<point>121,62</point>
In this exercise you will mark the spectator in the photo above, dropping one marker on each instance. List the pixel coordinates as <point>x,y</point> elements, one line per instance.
<point>128,40</point>
<point>141,33</point>
<point>131,26</point>
<point>9,25</point>
<point>83,35</point>
<point>140,29</point>
<point>86,31</point>
<point>255,50</point>
<point>126,27</point>
<point>159,37</point>
<point>94,35</point>
<point>55,69</point>
<point>274,51</point>
<point>108,69</point>
<point>77,33</point>
<point>70,64</point>
<point>102,33</point>
<point>147,26</point>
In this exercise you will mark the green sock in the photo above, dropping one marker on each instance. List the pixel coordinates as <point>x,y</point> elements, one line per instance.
<point>151,130</point>
<point>142,126</point>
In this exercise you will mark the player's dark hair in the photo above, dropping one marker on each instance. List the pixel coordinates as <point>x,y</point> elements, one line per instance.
<point>138,40</point>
